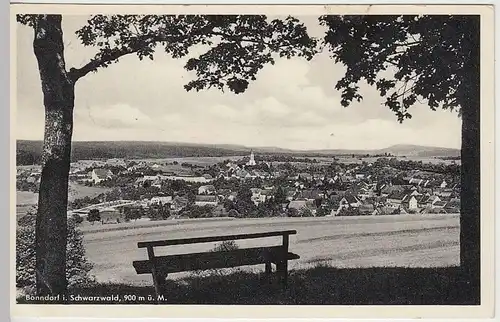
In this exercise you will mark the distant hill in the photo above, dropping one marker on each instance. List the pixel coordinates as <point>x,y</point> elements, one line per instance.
<point>397,150</point>
<point>420,151</point>
<point>29,152</point>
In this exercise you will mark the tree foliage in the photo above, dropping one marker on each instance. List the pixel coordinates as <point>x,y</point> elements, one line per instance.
<point>156,212</point>
<point>244,204</point>
<point>93,215</point>
<point>408,58</point>
<point>238,46</point>
<point>77,266</point>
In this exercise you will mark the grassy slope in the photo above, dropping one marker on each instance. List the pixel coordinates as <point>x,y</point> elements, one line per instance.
<point>343,242</point>
<point>319,285</point>
<point>338,256</point>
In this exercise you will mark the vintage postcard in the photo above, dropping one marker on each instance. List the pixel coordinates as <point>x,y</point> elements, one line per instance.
<point>252,161</point>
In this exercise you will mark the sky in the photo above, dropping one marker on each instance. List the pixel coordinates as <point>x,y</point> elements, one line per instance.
<point>292,104</point>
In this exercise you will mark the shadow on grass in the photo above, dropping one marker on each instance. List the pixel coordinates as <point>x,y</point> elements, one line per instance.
<point>315,286</point>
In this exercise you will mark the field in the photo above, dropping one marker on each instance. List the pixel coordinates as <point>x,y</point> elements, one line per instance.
<point>343,242</point>
<point>199,161</point>
<point>77,191</point>
<point>26,199</point>
<point>357,160</point>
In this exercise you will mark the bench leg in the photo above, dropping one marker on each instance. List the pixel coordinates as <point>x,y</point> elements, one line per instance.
<point>159,283</point>
<point>268,272</point>
<point>282,270</point>
<point>268,268</point>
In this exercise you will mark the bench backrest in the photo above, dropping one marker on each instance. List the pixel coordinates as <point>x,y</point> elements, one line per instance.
<point>183,241</point>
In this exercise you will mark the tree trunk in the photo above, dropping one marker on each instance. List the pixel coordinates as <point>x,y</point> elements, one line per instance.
<point>51,221</point>
<point>470,197</point>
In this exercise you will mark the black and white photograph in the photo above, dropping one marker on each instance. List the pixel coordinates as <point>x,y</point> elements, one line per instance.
<point>256,157</point>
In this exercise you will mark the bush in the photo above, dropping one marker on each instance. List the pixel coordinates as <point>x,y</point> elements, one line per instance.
<point>233,213</point>
<point>77,218</point>
<point>77,266</point>
<point>225,246</point>
<point>93,215</point>
<point>305,212</point>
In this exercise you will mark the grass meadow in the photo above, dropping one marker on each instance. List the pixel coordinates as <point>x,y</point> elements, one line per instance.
<point>406,259</point>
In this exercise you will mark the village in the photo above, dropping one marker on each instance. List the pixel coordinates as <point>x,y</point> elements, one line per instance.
<point>257,186</point>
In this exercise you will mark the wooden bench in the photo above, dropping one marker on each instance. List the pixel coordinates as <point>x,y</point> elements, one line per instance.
<point>160,266</point>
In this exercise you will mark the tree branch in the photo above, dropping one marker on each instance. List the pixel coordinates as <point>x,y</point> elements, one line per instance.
<point>115,53</point>
<point>76,73</point>
<point>239,39</point>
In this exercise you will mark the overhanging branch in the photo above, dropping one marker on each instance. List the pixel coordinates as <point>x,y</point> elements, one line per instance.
<point>76,73</point>
<point>105,58</point>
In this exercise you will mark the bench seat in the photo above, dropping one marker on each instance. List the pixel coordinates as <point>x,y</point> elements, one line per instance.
<point>213,260</point>
<point>161,266</point>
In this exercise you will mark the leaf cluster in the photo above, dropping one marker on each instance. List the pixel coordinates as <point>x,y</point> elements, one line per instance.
<point>237,46</point>
<point>408,58</point>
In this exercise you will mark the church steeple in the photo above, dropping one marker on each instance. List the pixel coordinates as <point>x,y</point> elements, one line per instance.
<point>252,159</point>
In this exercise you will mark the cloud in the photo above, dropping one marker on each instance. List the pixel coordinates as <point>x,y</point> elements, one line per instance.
<point>114,116</point>
<point>269,107</point>
<point>291,104</point>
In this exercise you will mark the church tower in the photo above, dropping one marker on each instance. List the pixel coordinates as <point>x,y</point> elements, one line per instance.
<point>252,159</point>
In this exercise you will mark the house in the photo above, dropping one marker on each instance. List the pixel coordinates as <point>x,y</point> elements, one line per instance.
<point>297,205</point>
<point>319,177</point>
<point>350,201</point>
<point>439,205</point>
<point>395,199</point>
<point>412,192</point>
<point>410,202</point>
<point>207,176</point>
<point>444,193</point>
<point>335,202</point>
<point>206,190</point>
<point>111,216</point>
<point>299,185</point>
<point>179,202</point>
<point>261,174</point>
<point>417,181</point>
<point>290,194</point>
<point>255,195</point>
<point>206,200</point>
<point>364,193</point>
<point>360,176</point>
<point>305,176</point>
<point>243,174</point>
<point>99,175</point>
<point>427,200</point>
<point>348,212</point>
<point>161,200</point>
<point>386,190</point>
<point>223,193</point>
<point>140,182</point>
<point>33,178</point>
<point>310,195</point>
<point>346,179</point>
<point>453,206</point>
<point>232,196</point>
<point>367,209</point>
<point>156,183</point>
<point>265,195</point>
<point>382,211</point>
<point>311,205</point>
